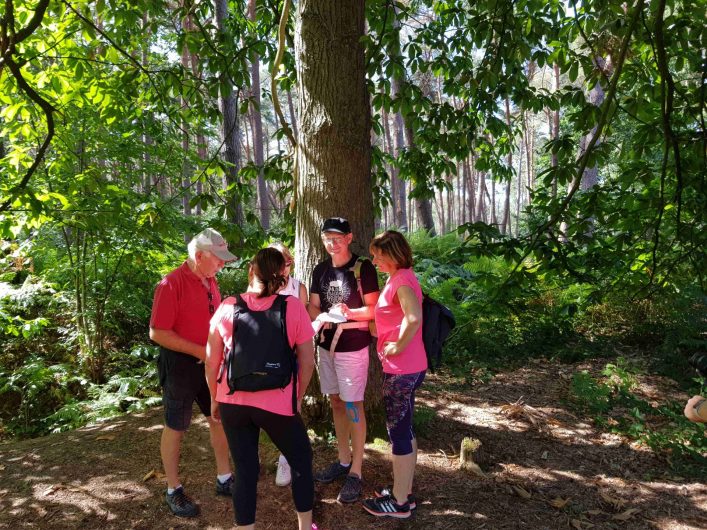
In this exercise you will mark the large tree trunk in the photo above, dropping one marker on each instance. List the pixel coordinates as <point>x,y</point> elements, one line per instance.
<point>333,170</point>
<point>257,127</point>
<point>230,133</point>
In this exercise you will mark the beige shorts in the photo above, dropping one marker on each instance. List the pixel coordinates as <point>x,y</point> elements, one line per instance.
<point>345,373</point>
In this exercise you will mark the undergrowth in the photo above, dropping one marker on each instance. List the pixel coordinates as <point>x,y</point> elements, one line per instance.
<point>615,405</point>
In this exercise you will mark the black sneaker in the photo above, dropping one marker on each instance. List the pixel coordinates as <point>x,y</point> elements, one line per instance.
<point>331,473</point>
<point>224,488</point>
<point>388,490</point>
<point>387,507</point>
<point>181,505</point>
<point>351,490</point>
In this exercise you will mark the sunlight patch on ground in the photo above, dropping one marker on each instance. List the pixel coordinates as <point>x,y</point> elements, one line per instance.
<point>89,497</point>
<point>155,427</point>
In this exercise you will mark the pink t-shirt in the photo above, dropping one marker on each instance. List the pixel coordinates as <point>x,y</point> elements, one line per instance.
<point>389,317</point>
<point>182,303</point>
<point>299,331</point>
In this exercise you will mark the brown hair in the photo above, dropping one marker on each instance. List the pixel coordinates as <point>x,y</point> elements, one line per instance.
<point>267,266</point>
<point>394,245</point>
<point>282,248</point>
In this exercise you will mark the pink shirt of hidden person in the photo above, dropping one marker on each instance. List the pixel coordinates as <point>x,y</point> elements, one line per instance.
<point>299,331</point>
<point>389,317</point>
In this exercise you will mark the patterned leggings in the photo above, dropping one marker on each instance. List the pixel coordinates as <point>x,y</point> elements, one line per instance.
<point>399,399</point>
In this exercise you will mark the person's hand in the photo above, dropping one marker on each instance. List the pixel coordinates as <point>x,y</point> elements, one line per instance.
<point>390,349</point>
<point>215,411</point>
<point>693,405</point>
<point>342,309</point>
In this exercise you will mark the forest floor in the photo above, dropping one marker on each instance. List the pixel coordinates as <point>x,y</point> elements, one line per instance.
<point>543,467</point>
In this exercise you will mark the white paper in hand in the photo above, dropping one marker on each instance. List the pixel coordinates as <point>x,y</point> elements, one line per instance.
<point>335,317</point>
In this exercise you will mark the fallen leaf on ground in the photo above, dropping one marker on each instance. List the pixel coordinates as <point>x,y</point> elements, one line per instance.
<point>522,492</point>
<point>559,502</point>
<point>107,437</point>
<point>576,523</point>
<point>615,503</point>
<point>544,455</point>
<point>625,516</point>
<point>596,512</point>
<point>52,489</point>
<point>150,474</point>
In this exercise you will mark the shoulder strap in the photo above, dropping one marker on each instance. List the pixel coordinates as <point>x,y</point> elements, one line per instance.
<point>356,269</point>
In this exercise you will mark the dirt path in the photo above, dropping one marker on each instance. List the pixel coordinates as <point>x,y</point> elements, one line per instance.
<point>544,468</point>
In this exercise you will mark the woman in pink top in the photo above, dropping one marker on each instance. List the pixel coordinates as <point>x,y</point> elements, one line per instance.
<point>398,315</point>
<point>243,413</point>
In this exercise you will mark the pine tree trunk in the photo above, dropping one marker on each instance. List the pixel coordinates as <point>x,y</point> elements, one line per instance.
<point>257,128</point>
<point>230,133</point>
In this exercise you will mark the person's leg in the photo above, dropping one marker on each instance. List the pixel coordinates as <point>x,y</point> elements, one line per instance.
<point>352,375</point>
<point>178,394</point>
<point>304,520</point>
<point>342,428</point>
<point>218,438</point>
<point>220,447</point>
<point>358,439</point>
<point>414,465</point>
<point>170,446</point>
<point>243,434</point>
<point>398,392</point>
<point>329,382</point>
<point>289,435</point>
<point>403,472</point>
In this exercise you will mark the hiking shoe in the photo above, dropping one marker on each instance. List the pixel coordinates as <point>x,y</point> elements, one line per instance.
<point>351,490</point>
<point>284,474</point>
<point>225,488</point>
<point>388,490</point>
<point>180,504</point>
<point>387,507</point>
<point>331,473</point>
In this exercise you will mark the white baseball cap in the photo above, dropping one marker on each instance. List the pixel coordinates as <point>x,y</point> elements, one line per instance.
<point>211,241</point>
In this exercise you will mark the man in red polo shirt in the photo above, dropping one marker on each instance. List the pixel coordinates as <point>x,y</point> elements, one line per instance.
<point>184,302</point>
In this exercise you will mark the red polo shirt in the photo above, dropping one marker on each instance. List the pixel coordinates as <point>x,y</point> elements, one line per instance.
<point>181,304</point>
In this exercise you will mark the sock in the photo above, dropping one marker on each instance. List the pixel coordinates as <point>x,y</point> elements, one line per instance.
<point>344,465</point>
<point>282,459</point>
<point>223,478</point>
<point>170,491</point>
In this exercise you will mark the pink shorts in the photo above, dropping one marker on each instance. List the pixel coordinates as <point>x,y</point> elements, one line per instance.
<point>345,373</point>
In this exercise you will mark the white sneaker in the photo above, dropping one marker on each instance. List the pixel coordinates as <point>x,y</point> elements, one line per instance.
<point>283,477</point>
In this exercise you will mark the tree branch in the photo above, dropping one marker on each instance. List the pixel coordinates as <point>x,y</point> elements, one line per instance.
<point>48,112</point>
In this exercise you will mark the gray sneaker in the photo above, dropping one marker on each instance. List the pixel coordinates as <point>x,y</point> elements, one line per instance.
<point>351,490</point>
<point>331,473</point>
<point>180,504</point>
<point>224,488</point>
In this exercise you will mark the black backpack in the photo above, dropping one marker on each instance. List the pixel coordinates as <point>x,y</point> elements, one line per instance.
<point>437,322</point>
<point>261,357</point>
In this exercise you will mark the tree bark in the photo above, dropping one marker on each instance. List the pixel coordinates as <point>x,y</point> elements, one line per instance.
<point>230,133</point>
<point>333,169</point>
<point>257,128</point>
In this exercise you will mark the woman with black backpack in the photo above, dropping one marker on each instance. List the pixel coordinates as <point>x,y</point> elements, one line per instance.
<point>255,383</point>
<point>398,316</point>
